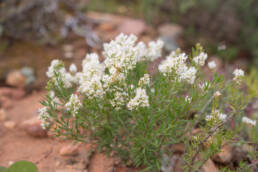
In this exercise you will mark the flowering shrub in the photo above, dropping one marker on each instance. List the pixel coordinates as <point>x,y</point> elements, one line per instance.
<point>139,116</point>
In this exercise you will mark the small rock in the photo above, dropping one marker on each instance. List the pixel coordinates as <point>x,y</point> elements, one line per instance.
<point>5,102</point>
<point>33,128</point>
<point>58,163</point>
<point>29,73</point>
<point>10,124</point>
<point>68,51</point>
<point>132,26</point>
<point>16,79</point>
<point>209,166</point>
<point>170,30</point>
<point>3,115</point>
<point>68,55</point>
<point>173,163</point>
<point>14,93</point>
<point>224,156</point>
<point>169,33</point>
<point>68,48</point>
<point>69,150</point>
<point>170,44</point>
<point>101,163</point>
<point>178,148</point>
<point>239,154</point>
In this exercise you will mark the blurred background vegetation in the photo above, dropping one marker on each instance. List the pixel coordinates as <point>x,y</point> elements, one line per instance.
<point>232,22</point>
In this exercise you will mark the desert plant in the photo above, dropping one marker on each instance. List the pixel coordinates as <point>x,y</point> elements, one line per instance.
<point>120,106</point>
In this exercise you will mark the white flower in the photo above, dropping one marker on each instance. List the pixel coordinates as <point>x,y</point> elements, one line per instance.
<point>91,65</point>
<point>248,121</point>
<point>141,51</point>
<point>188,99</point>
<point>238,74</point>
<point>73,68</point>
<point>74,104</point>
<point>92,88</point>
<point>189,75</point>
<point>216,115</point>
<point>200,59</point>
<point>208,117</point>
<point>145,80</point>
<point>217,94</point>
<point>222,116</point>
<point>141,99</point>
<point>155,49</point>
<point>212,65</point>
<point>54,99</point>
<point>53,67</point>
<point>44,117</point>
<point>176,62</point>
<point>121,52</point>
<point>89,80</point>
<point>57,72</point>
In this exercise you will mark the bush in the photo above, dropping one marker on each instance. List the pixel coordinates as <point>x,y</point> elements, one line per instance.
<point>139,116</point>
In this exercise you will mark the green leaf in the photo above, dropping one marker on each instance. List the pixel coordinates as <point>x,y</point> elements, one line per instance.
<point>2,169</point>
<point>22,166</point>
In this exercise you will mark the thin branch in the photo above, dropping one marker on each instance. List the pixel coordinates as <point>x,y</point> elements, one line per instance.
<point>46,154</point>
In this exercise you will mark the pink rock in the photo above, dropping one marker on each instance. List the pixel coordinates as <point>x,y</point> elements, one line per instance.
<point>5,102</point>
<point>209,166</point>
<point>170,30</point>
<point>132,26</point>
<point>33,128</point>
<point>14,93</point>
<point>69,150</point>
<point>10,124</point>
<point>16,79</point>
<point>3,115</point>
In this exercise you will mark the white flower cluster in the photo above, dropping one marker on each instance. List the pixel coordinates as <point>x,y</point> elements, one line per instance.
<point>141,99</point>
<point>57,68</point>
<point>238,74</point>
<point>122,53</point>
<point>216,115</point>
<point>44,117</point>
<point>177,62</point>
<point>120,99</point>
<point>200,59</point>
<point>248,121</point>
<point>89,79</point>
<point>74,104</point>
<point>145,80</point>
<point>96,78</point>
<point>155,49</point>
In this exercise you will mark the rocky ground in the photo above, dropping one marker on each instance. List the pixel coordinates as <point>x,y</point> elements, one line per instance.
<point>21,136</point>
